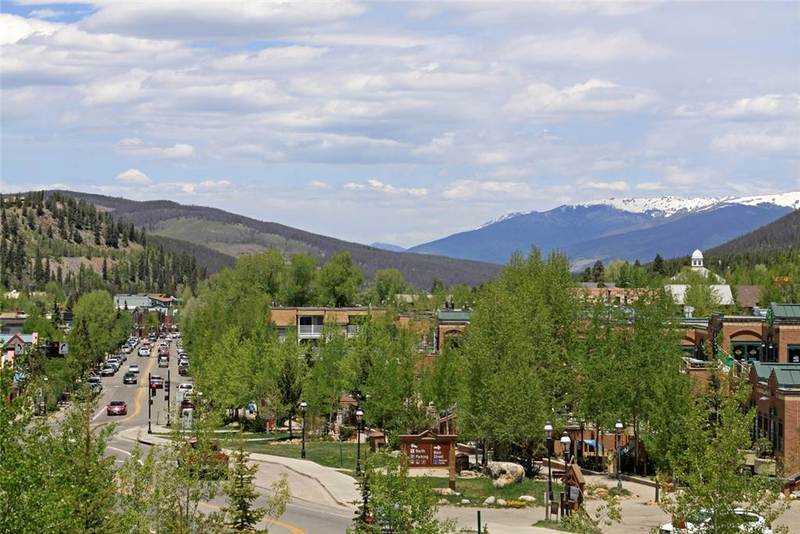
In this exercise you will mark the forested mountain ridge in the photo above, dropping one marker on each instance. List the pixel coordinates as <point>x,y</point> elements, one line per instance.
<point>62,239</point>
<point>233,235</point>
<point>779,234</point>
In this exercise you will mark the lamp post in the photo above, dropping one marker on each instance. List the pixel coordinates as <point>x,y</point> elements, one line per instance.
<point>565,445</point>
<point>359,418</point>
<point>149,403</point>
<point>303,407</point>
<point>548,433</point>
<point>617,438</point>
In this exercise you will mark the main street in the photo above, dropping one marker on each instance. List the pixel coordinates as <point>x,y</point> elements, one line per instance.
<point>306,513</point>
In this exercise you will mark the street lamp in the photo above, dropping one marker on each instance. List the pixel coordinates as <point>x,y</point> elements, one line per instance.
<point>617,437</point>
<point>548,433</point>
<point>303,407</point>
<point>359,418</point>
<point>565,445</point>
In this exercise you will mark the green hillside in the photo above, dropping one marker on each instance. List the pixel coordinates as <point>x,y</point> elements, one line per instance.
<point>232,235</point>
<point>56,238</point>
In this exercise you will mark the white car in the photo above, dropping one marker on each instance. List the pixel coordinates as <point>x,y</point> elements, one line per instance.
<point>185,386</point>
<point>133,368</point>
<point>748,521</point>
<point>144,351</point>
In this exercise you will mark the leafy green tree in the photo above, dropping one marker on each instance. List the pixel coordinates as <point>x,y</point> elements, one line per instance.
<point>397,501</point>
<point>298,287</point>
<point>325,382</point>
<point>338,281</point>
<point>518,366</point>
<point>708,467</point>
<point>386,284</point>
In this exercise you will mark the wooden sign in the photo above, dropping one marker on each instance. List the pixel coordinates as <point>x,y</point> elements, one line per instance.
<point>430,450</point>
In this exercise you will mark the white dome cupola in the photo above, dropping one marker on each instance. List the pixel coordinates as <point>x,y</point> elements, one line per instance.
<point>697,258</point>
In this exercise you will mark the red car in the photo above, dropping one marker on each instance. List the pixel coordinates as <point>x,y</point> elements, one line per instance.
<point>117,408</point>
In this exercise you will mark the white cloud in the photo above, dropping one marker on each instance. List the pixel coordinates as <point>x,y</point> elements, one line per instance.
<point>777,106</point>
<point>680,176</point>
<point>437,146</point>
<point>618,185</point>
<point>464,189</point>
<point>134,177</point>
<point>759,143</point>
<point>135,146</point>
<point>381,187</point>
<point>650,186</point>
<point>231,19</point>
<point>319,184</point>
<point>583,47</point>
<point>46,13</point>
<point>592,96</point>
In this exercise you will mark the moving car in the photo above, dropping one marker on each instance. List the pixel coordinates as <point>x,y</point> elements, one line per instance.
<point>133,368</point>
<point>748,521</point>
<point>117,408</point>
<point>157,381</point>
<point>144,351</point>
<point>163,361</point>
<point>129,378</point>
<point>108,370</point>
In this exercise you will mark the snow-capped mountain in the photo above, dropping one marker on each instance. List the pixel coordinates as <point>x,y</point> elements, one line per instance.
<point>618,228</point>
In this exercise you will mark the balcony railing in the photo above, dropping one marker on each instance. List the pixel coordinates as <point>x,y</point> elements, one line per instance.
<point>309,330</point>
<point>351,330</point>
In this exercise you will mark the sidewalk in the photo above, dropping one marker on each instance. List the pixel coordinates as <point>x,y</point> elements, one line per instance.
<point>308,481</point>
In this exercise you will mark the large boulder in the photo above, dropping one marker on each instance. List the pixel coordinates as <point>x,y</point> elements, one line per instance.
<point>504,473</point>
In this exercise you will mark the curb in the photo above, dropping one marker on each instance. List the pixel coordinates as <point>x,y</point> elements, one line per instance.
<point>151,442</point>
<point>312,477</point>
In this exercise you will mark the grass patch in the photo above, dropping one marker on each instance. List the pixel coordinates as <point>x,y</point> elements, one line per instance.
<point>478,489</point>
<point>322,452</point>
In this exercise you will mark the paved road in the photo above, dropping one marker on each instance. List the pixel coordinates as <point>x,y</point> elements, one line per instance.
<point>302,516</point>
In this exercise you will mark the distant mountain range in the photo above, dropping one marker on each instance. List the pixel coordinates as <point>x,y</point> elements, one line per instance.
<point>627,229</point>
<point>388,246</point>
<point>216,237</point>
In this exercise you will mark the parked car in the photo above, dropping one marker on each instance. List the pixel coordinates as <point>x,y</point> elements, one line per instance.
<point>129,378</point>
<point>117,408</point>
<point>157,381</point>
<point>95,384</point>
<point>133,368</point>
<point>108,370</point>
<point>185,386</point>
<point>748,521</point>
<point>183,370</point>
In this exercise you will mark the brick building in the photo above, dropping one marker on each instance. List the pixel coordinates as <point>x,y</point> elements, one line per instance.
<point>776,397</point>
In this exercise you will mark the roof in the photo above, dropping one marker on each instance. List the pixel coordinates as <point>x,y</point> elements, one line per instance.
<point>748,296</point>
<point>132,301</point>
<point>697,254</point>
<point>456,316</point>
<point>788,375</point>
<point>722,292</point>
<point>785,312</point>
<point>763,370</point>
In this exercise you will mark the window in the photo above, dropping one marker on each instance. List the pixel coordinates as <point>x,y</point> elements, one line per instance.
<point>793,353</point>
<point>746,350</point>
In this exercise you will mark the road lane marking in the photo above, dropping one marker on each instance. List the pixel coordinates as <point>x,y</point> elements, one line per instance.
<point>138,401</point>
<point>288,526</point>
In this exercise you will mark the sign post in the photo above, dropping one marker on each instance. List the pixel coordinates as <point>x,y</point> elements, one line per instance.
<point>430,450</point>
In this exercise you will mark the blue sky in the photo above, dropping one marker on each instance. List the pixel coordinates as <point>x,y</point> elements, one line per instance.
<point>399,122</point>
